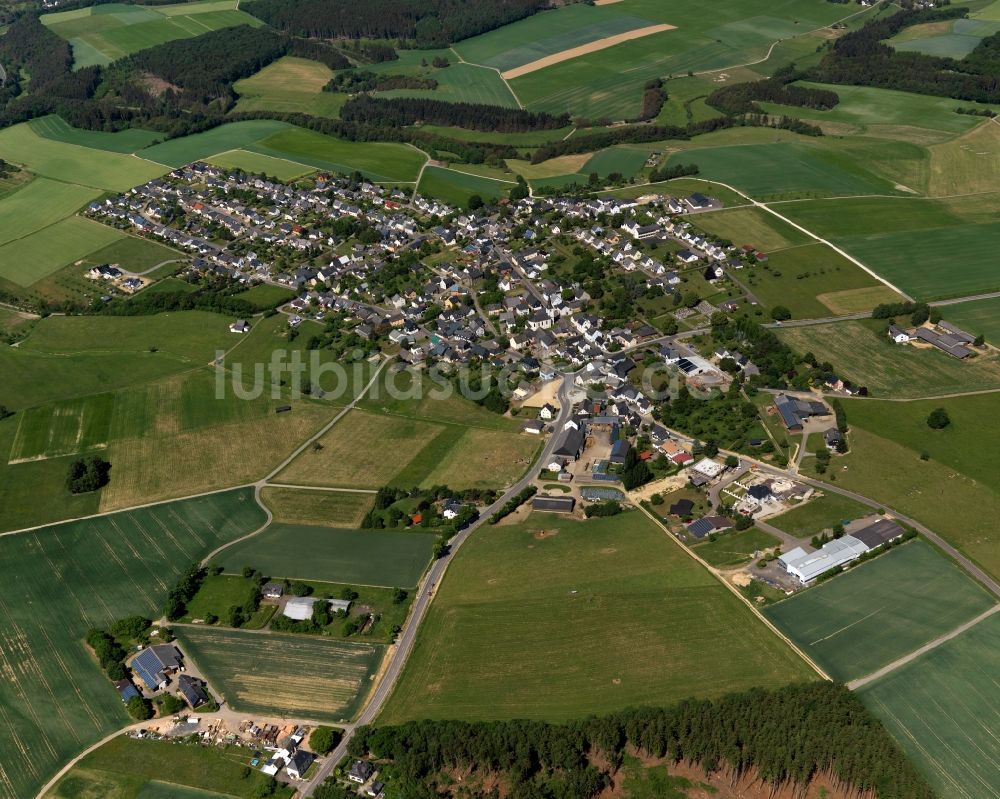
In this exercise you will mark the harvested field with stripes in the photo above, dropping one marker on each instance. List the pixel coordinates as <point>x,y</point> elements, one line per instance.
<point>294,675</point>
<point>64,579</point>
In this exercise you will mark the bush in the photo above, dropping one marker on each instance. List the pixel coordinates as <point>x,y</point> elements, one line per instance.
<point>139,708</point>
<point>938,419</point>
<point>779,313</point>
<point>87,474</point>
<point>323,739</point>
<point>169,704</point>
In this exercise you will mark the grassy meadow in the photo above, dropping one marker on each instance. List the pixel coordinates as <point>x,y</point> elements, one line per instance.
<point>291,85</point>
<point>735,549</point>
<point>325,508</point>
<point>597,589</point>
<point>979,317</point>
<point>293,676</point>
<point>65,579</point>
<point>819,513</point>
<point>455,187</point>
<point>879,611</point>
<point>942,709</point>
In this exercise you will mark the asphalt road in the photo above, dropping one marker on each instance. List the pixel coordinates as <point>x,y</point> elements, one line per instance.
<point>401,650</point>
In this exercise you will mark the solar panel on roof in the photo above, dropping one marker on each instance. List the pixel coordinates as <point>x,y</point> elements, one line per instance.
<point>148,667</point>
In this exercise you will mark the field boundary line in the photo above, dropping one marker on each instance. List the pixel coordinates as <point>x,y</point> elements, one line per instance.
<point>474,175</point>
<point>916,653</point>
<point>753,609</point>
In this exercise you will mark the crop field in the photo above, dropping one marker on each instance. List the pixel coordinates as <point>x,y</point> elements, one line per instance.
<point>309,552</point>
<point>25,261</point>
<point>63,428</point>
<point>65,579</point>
<point>39,204</point>
<point>293,675</point>
<point>597,589</point>
<point>624,160</point>
<point>455,187</point>
<point>957,39</point>
<point>752,226</point>
<point>381,161</point>
<point>857,622</point>
<point>980,317</point>
<point>73,163</point>
<point>943,709</point>
<point>735,549</point>
<point>279,168</point>
<point>861,353</point>
<point>222,139</point>
<point>112,31</point>
<point>123,141</point>
<point>963,165</point>
<point>458,83</point>
<point>477,459</point>
<point>818,514</point>
<point>290,85</point>
<point>130,768</point>
<point>329,508</point>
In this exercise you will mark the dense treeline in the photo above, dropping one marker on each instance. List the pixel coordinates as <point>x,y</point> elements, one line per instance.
<point>653,98</point>
<point>472,116</point>
<point>319,51</point>
<point>671,172</point>
<point>218,300</point>
<point>30,46</point>
<point>742,98</point>
<point>355,82</point>
<point>429,23</point>
<point>785,737</point>
<point>183,592</point>
<point>861,58</point>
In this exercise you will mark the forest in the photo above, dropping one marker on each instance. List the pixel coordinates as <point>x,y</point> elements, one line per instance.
<point>428,23</point>
<point>861,58</point>
<point>741,98</point>
<point>784,737</point>
<point>354,82</point>
<point>472,116</point>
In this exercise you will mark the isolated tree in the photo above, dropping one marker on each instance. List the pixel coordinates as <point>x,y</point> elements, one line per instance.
<point>475,202</point>
<point>87,474</point>
<point>938,419</point>
<point>323,739</point>
<point>979,341</point>
<point>139,708</point>
<point>779,313</point>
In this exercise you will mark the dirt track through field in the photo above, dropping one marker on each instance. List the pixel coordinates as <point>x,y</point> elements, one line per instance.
<point>583,49</point>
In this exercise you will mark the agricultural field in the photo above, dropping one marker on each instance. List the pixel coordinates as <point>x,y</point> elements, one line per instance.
<point>39,204</point>
<point>752,226</point>
<point>25,261</point>
<point>597,589</point>
<point>256,163</point>
<point>129,768</point>
<point>222,139</point>
<point>455,187</point>
<point>458,83</point>
<point>266,295</point>
<point>625,160</point>
<point>857,622</point>
<point>135,255</point>
<point>290,85</point>
<point>954,38</point>
<point>859,352</point>
<point>306,506</point>
<point>293,676</point>
<point>309,552</point>
<point>385,162</point>
<point>942,709</point>
<point>102,34</point>
<point>980,317</point>
<point>820,513</point>
<point>963,165</point>
<point>735,549</point>
<point>124,141</point>
<point>61,581</point>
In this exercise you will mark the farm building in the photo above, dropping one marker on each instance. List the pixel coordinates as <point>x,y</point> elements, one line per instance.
<point>951,343</point>
<point>126,690</point>
<point>875,534</point>
<point>794,411</point>
<point>807,566</point>
<point>240,326</point>
<point>699,528</point>
<point>597,494</point>
<point>554,504</point>
<point>192,690</point>
<point>533,426</point>
<point>571,443</point>
<point>300,608</point>
<point>155,663</point>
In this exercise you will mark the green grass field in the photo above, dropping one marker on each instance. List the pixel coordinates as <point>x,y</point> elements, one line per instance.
<point>267,295</point>
<point>218,593</point>
<point>624,160</point>
<point>859,352</point>
<point>290,85</point>
<point>135,254</point>
<point>123,141</point>
<point>39,204</point>
<point>735,549</point>
<point>26,261</point>
<point>457,83</point>
<point>368,557</point>
<point>232,136</point>
<point>279,168</point>
<point>879,611</point>
<point>115,30</point>
<point>980,317</point>
<point>305,506</point>
<point>567,599</point>
<point>957,39</point>
<point>943,708</point>
<point>818,514</point>
<point>285,674</point>
<point>65,579</point>
<point>455,187</point>
<point>127,768</point>
<point>752,226</point>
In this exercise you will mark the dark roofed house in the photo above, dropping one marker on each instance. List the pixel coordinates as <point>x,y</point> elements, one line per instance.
<point>299,764</point>
<point>361,772</point>
<point>126,690</point>
<point>554,504</point>
<point>795,411</point>
<point>832,437</point>
<point>682,507</point>
<point>759,492</point>
<point>272,590</point>
<point>619,450</point>
<point>878,533</point>
<point>709,524</point>
<point>571,444</point>
<point>192,690</point>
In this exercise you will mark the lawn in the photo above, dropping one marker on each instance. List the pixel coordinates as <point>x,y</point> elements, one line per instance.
<point>735,549</point>
<point>556,619</point>
<point>818,514</point>
<point>455,188</point>
<point>218,593</point>
<point>978,317</point>
<point>305,506</point>
<point>246,161</point>
<point>127,768</point>
<point>860,353</point>
<point>328,554</point>
<point>135,254</point>
<point>292,675</point>
<point>73,163</point>
<point>221,139</point>
<point>122,141</point>
<point>943,709</point>
<point>65,579</point>
<point>857,622</point>
<point>381,161</point>
<point>290,85</point>
<point>115,30</point>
